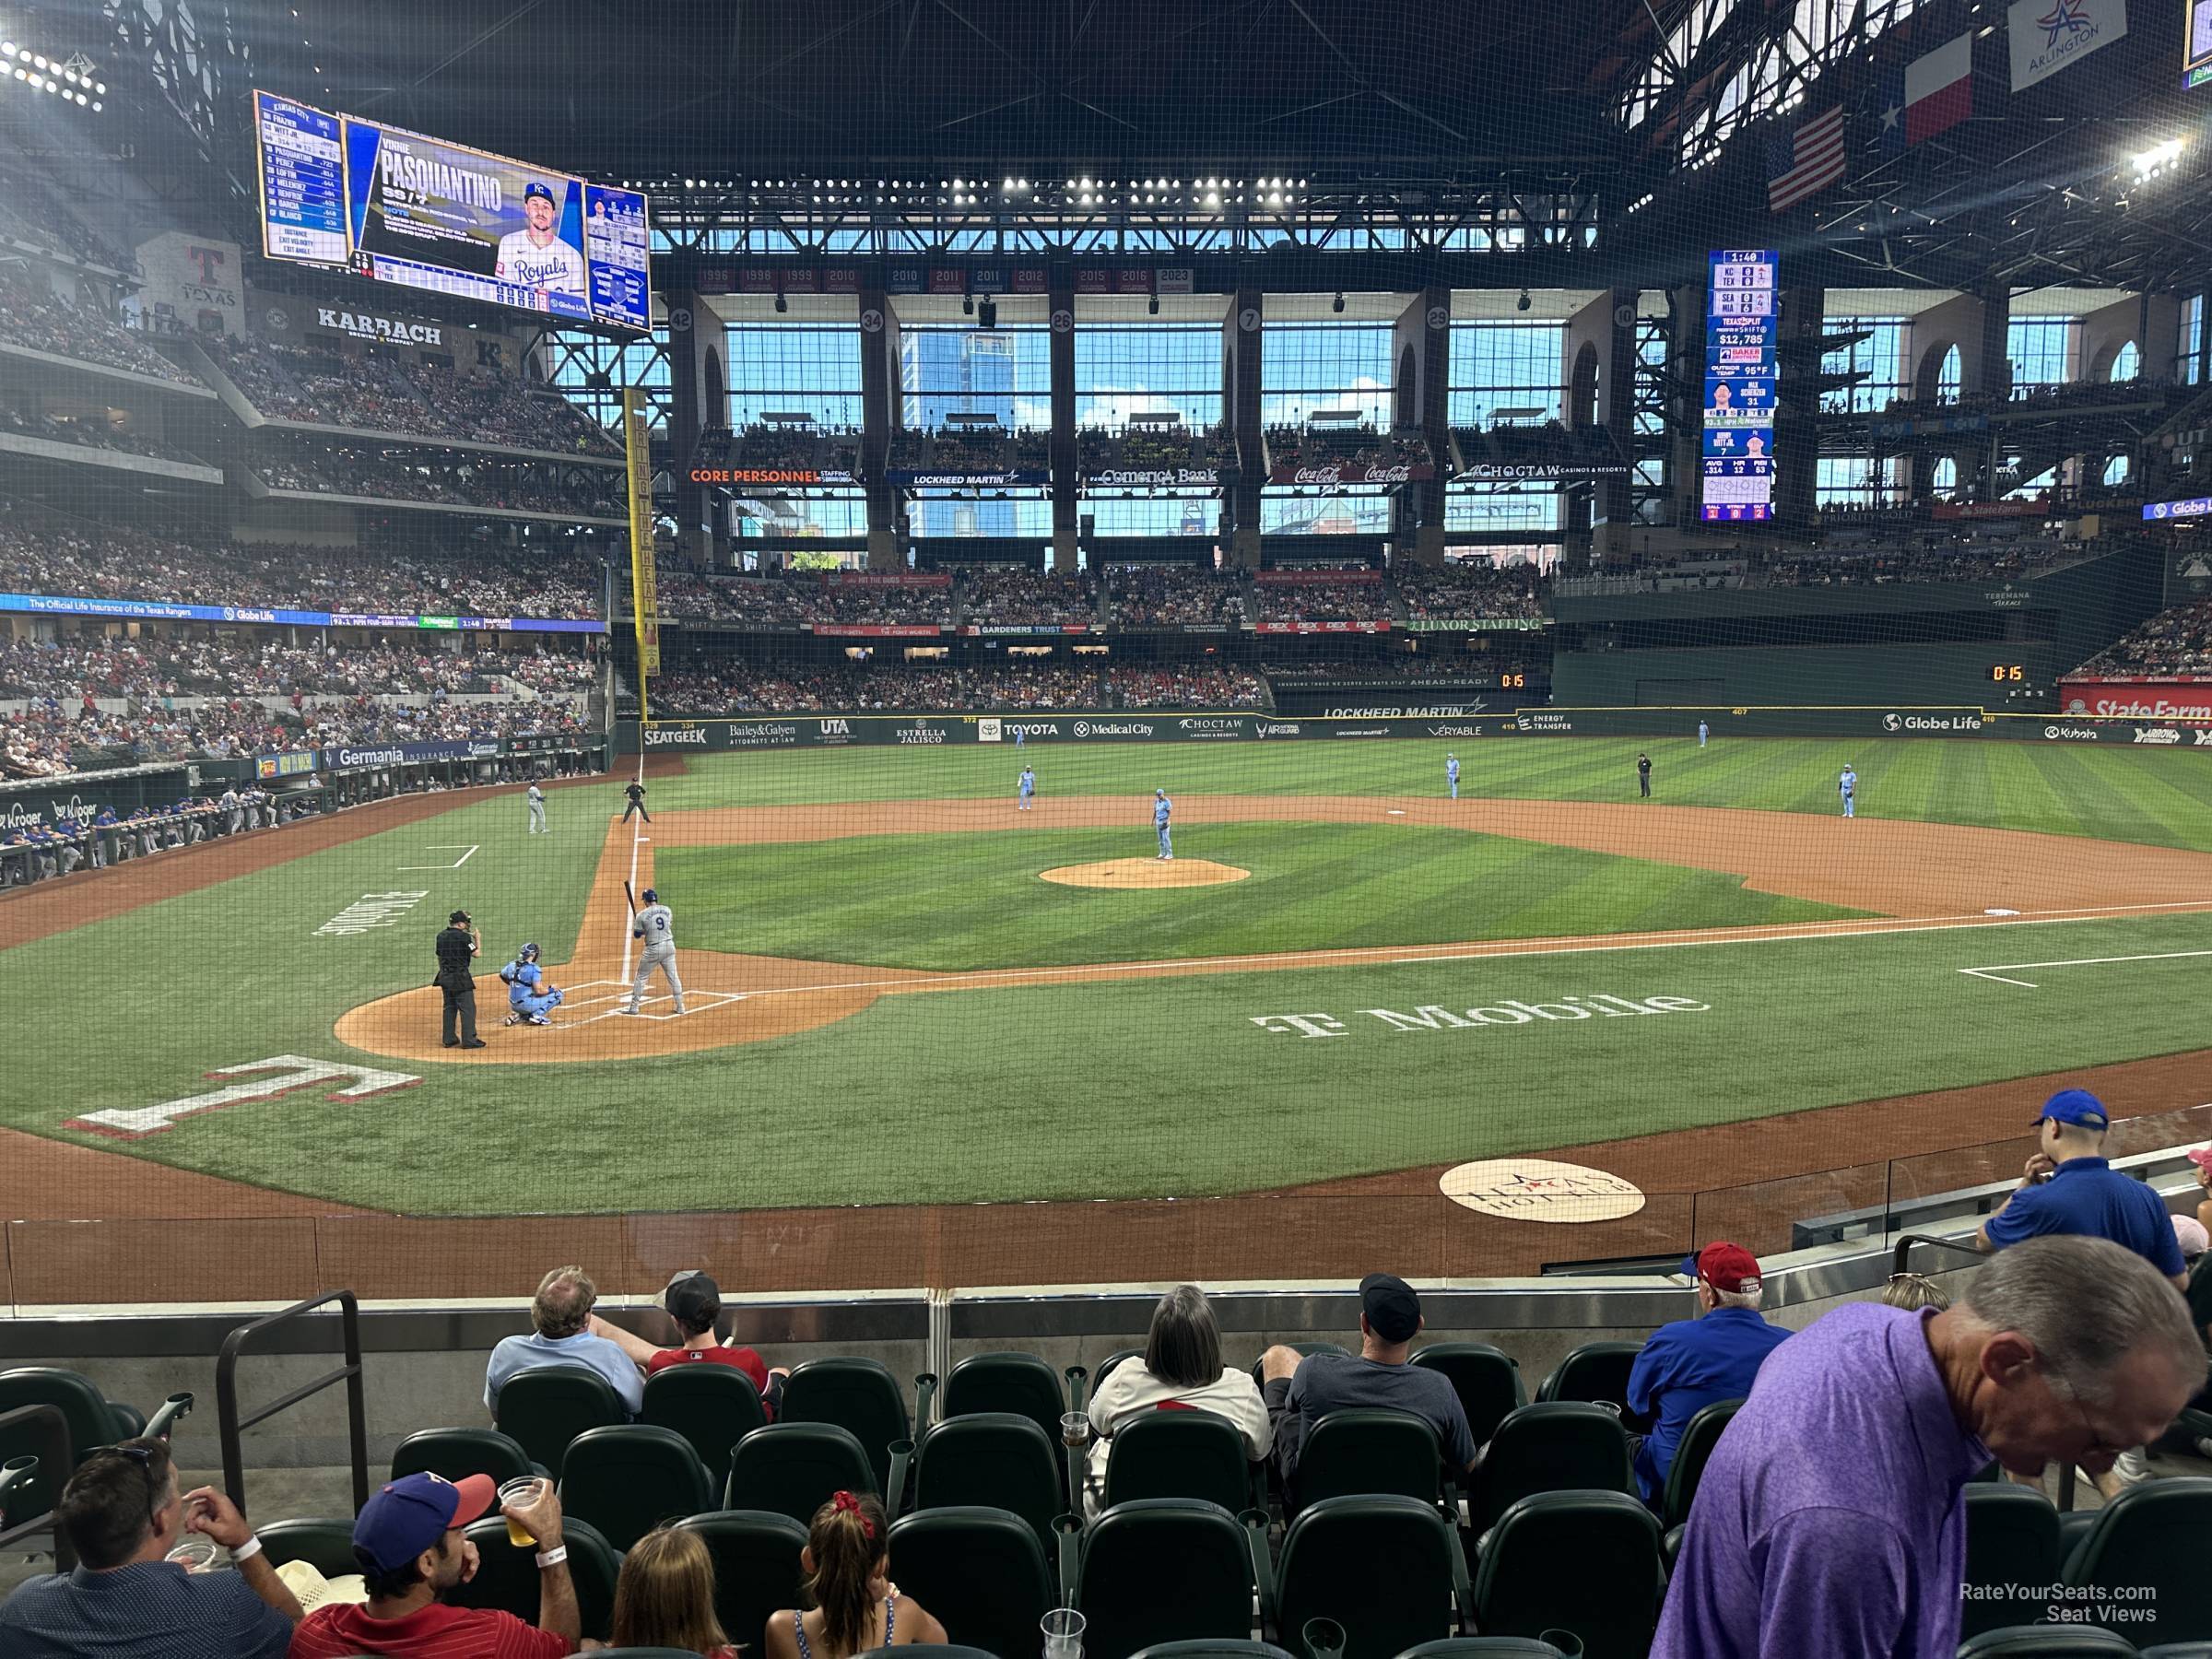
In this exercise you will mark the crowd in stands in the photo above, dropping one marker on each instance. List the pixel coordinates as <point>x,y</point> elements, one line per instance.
<point>981,450</point>
<point>1381,665</point>
<point>477,404</point>
<point>866,604</point>
<point>90,434</point>
<point>33,316</point>
<point>1153,448</point>
<point>1982,562</point>
<point>44,554</point>
<point>154,667</point>
<point>1470,591</point>
<point>1156,595</point>
<point>1345,600</point>
<point>782,446</point>
<point>739,687</point>
<point>2034,397</point>
<point>1552,444</point>
<point>462,477</point>
<point>2175,642</point>
<point>1011,597</point>
<point>37,216</point>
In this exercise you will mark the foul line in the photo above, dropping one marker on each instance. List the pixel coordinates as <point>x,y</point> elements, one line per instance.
<point>1384,957</point>
<point>443,847</point>
<point>2160,956</point>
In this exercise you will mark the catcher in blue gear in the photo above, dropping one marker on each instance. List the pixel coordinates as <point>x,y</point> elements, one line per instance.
<point>530,995</point>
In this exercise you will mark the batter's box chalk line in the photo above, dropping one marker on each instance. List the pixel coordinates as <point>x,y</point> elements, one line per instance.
<point>614,996</point>
<point>2003,972</point>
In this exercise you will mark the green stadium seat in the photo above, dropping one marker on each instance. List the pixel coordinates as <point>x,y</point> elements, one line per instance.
<point>1484,1647</point>
<point>1180,1454</point>
<point>2155,1534</point>
<point>982,1573</point>
<point>1692,1452</point>
<point>1596,1371</point>
<point>1584,1562</point>
<point>326,1545</point>
<point>2046,1642</point>
<point>94,1421</point>
<point>1211,1650</point>
<point>1017,1382</point>
<point>1163,1569</point>
<point>2011,1539</point>
<point>627,1480</point>
<point>455,1453</point>
<point>1388,1569</point>
<point>1488,1380</point>
<point>1303,1351</point>
<point>1105,1369</point>
<point>646,1653</point>
<point>1367,1451</point>
<point>756,1569</point>
<point>543,1408</point>
<point>791,1468</point>
<point>858,1395</point>
<point>2179,1650</point>
<point>714,1406</point>
<point>990,1460</point>
<point>1549,1446</point>
<point>924,1650</point>
<point>506,1574</point>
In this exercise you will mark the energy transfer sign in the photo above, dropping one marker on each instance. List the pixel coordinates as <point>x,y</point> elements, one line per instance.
<point>1536,1189</point>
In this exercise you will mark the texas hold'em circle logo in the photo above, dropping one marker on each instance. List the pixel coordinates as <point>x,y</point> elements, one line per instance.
<point>1536,1189</point>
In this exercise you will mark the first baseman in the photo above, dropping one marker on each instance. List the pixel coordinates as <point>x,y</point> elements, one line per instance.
<point>1847,785</point>
<point>1452,775</point>
<point>537,811</point>
<point>1161,807</point>
<point>656,925</point>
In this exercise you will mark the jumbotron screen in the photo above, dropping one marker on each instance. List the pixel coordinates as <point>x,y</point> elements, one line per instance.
<point>423,213</point>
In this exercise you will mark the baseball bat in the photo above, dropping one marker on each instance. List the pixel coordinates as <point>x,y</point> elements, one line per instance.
<point>631,897</point>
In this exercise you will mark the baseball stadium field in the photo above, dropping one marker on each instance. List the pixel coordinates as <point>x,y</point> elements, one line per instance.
<point>902,992</point>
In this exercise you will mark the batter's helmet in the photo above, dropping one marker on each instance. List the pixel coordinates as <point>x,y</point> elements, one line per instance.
<point>528,954</point>
<point>652,895</point>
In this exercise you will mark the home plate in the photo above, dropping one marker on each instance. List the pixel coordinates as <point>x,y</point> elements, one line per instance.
<point>2000,912</point>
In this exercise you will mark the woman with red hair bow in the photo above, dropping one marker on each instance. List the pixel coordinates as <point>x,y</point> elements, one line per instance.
<point>856,1608</point>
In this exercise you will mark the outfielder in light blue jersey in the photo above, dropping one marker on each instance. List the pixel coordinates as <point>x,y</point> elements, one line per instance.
<point>1452,775</point>
<point>656,926</point>
<point>530,995</point>
<point>1703,731</point>
<point>1848,786</point>
<point>537,811</point>
<point>1161,807</point>
<point>1021,738</point>
<point>1029,788</point>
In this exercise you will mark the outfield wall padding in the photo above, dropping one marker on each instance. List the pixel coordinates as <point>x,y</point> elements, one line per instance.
<point>932,731</point>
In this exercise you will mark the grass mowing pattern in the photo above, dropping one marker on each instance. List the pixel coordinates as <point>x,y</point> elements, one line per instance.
<point>952,902</point>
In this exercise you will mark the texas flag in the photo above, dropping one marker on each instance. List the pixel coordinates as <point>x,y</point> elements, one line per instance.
<point>1939,90</point>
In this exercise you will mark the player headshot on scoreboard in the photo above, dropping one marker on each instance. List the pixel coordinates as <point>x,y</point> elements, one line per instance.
<point>535,257</point>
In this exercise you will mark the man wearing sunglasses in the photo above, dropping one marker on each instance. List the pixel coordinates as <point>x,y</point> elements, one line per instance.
<point>121,1514</point>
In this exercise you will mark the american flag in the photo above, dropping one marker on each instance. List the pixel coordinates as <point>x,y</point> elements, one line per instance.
<point>1805,160</point>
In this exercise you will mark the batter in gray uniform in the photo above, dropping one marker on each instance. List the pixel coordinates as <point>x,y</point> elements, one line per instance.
<point>656,925</point>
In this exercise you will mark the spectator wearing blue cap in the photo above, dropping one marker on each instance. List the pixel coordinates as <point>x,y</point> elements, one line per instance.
<point>2072,1188</point>
<point>410,1542</point>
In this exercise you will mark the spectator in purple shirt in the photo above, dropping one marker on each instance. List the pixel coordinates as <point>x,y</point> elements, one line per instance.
<point>1829,1519</point>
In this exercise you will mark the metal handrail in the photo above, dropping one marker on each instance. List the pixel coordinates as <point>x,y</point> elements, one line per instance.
<point>231,1426</point>
<point>1901,1257</point>
<point>56,1455</point>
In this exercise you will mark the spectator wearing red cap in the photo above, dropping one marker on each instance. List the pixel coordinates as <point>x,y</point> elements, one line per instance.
<point>2071,1188</point>
<point>407,1540</point>
<point>1690,1364</point>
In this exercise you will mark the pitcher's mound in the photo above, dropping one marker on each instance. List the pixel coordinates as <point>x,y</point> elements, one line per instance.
<point>1146,873</point>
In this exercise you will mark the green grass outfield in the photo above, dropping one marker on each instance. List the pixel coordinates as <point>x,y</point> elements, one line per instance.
<point>1121,1087</point>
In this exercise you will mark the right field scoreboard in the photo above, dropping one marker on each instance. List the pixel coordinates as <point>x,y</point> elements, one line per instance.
<point>1738,426</point>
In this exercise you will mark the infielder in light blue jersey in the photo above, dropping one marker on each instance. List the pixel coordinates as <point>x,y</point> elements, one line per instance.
<point>1848,786</point>
<point>1161,807</point>
<point>1029,788</point>
<point>1452,775</point>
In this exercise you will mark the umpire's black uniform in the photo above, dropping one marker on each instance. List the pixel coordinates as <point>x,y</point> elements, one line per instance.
<point>457,977</point>
<point>1643,774</point>
<point>636,792</point>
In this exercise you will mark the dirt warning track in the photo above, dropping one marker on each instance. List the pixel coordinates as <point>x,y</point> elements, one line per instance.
<point>1915,876</point>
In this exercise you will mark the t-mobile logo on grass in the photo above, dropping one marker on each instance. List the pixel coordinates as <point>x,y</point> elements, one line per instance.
<point>1430,1017</point>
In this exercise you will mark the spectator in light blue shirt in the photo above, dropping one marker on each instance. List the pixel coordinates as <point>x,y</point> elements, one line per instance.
<point>568,1332</point>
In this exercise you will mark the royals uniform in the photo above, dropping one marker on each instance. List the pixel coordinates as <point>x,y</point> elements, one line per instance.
<point>1161,807</point>
<point>538,810</point>
<point>656,925</point>
<point>1028,787</point>
<point>557,266</point>
<point>1847,785</point>
<point>1452,775</point>
<point>528,994</point>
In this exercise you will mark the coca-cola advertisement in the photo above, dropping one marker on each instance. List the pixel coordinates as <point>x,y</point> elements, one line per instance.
<point>1321,628</point>
<point>1353,472</point>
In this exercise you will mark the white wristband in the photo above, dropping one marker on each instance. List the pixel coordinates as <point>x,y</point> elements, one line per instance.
<point>555,1557</point>
<point>246,1551</point>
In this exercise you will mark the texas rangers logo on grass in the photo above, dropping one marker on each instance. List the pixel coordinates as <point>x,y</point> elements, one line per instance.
<point>266,1079</point>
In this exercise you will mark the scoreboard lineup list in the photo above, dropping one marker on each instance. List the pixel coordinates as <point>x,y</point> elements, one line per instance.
<point>1737,446</point>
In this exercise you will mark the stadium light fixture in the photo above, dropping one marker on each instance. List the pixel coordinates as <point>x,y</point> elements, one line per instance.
<point>2158,158</point>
